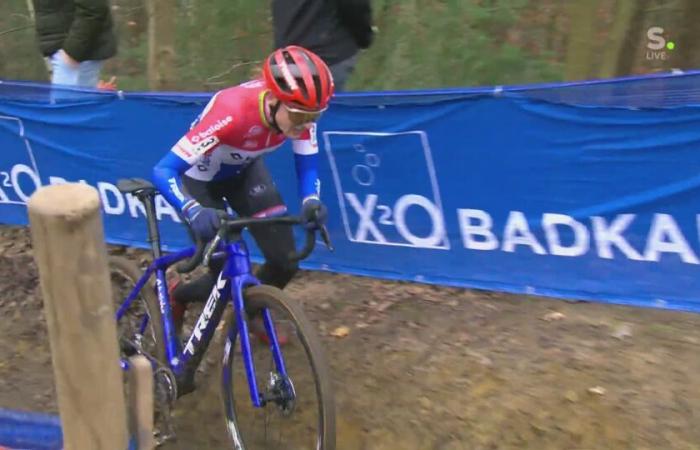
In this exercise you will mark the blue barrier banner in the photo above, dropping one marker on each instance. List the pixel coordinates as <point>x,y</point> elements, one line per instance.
<point>30,430</point>
<point>586,191</point>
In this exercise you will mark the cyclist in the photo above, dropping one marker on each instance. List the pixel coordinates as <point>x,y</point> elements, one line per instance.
<point>219,162</point>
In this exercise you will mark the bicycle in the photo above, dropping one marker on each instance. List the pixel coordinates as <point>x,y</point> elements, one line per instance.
<point>276,395</point>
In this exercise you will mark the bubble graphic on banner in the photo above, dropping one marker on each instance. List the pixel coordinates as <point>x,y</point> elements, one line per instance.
<point>362,173</point>
<point>376,208</point>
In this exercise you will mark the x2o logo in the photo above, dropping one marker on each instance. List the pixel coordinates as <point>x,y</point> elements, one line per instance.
<point>377,206</point>
<point>397,216</point>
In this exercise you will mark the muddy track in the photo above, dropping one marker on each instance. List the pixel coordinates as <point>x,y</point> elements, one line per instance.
<point>437,368</point>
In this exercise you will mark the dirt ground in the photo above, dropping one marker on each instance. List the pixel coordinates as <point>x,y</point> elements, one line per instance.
<point>426,367</point>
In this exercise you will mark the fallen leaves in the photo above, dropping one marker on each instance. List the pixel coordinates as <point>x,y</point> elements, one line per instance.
<point>553,316</point>
<point>571,396</point>
<point>622,331</point>
<point>340,332</point>
<point>597,390</point>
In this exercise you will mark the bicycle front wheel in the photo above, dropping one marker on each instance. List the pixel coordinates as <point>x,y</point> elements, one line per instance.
<point>302,414</point>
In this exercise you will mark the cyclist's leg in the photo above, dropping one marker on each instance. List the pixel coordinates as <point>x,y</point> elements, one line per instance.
<point>257,196</point>
<point>208,194</point>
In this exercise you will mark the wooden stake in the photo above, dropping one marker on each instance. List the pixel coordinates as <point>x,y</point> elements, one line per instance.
<point>141,401</point>
<point>69,248</point>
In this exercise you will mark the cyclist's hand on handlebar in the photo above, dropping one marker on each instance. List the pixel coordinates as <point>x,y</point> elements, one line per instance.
<point>313,213</point>
<point>205,222</point>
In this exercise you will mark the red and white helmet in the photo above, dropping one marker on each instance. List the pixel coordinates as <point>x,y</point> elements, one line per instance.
<point>299,78</point>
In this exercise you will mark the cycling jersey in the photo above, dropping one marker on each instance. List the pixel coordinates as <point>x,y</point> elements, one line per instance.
<point>229,134</point>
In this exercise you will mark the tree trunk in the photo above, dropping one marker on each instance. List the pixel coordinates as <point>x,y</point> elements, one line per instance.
<point>636,36</point>
<point>30,8</point>
<point>161,43</point>
<point>624,12</point>
<point>551,30</point>
<point>686,55</point>
<point>582,40</point>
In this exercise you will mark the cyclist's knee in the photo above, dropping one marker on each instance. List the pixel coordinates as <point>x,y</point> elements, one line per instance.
<point>291,267</point>
<point>277,273</point>
<point>196,290</point>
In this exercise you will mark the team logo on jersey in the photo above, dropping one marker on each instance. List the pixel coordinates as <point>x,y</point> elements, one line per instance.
<point>218,125</point>
<point>207,144</point>
<point>203,164</point>
<point>256,190</point>
<point>183,151</point>
<point>188,150</point>
<point>176,189</point>
<point>312,137</point>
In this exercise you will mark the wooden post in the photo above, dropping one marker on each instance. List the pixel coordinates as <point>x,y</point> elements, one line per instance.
<point>141,401</point>
<point>69,248</point>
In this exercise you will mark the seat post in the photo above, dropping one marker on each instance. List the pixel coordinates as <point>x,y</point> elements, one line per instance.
<point>153,233</point>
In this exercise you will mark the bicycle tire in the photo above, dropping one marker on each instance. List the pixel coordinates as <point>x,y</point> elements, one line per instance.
<point>131,272</point>
<point>263,296</point>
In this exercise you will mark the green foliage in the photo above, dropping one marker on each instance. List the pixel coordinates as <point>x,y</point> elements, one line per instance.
<point>218,46</point>
<point>420,44</point>
<point>19,51</point>
<point>431,43</point>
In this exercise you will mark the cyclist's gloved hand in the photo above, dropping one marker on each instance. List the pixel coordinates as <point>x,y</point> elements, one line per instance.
<point>313,213</point>
<point>205,222</point>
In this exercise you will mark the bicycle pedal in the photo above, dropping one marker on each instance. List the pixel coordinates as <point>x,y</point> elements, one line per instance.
<point>161,439</point>
<point>163,429</point>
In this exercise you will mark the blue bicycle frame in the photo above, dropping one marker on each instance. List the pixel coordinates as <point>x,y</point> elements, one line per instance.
<point>234,278</point>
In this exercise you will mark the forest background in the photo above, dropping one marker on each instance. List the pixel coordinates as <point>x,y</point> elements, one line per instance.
<point>204,45</point>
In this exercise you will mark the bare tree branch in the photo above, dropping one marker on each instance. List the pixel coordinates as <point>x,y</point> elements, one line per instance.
<point>212,79</point>
<point>25,17</point>
<point>12,30</point>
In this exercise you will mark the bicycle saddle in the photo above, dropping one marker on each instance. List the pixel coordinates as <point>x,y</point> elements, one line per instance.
<point>136,186</point>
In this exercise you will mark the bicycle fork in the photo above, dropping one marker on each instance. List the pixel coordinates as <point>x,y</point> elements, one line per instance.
<point>241,328</point>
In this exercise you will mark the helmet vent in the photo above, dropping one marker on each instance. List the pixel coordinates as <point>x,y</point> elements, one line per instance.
<point>282,82</point>
<point>317,83</point>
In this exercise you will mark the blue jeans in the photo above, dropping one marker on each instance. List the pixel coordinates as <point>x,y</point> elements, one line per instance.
<point>86,74</point>
<point>342,70</point>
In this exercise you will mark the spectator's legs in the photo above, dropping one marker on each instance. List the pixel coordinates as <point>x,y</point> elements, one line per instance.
<point>89,73</point>
<point>86,74</point>
<point>342,70</point>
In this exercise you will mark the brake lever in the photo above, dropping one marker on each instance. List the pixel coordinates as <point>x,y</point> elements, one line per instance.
<point>213,245</point>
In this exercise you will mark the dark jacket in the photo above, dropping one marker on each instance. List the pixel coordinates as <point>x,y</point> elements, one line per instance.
<point>333,29</point>
<point>83,28</point>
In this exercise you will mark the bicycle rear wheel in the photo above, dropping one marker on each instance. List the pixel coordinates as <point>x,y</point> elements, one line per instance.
<point>304,415</point>
<point>140,329</point>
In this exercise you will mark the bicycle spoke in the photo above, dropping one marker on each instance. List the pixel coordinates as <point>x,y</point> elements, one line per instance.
<point>294,416</point>
<point>139,332</point>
